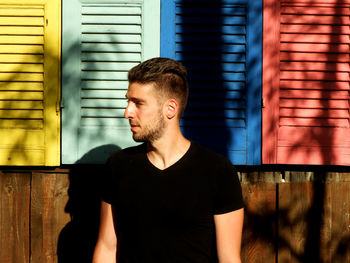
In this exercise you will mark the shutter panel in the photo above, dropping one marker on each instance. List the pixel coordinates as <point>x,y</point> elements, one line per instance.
<point>220,44</point>
<point>310,99</point>
<point>29,82</point>
<point>101,42</point>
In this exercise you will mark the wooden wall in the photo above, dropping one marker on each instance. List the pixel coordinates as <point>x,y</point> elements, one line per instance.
<point>52,215</point>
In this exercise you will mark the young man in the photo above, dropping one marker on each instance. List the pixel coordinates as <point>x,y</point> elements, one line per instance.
<point>169,199</point>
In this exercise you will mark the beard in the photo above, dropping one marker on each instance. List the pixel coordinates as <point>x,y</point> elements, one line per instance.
<point>151,131</point>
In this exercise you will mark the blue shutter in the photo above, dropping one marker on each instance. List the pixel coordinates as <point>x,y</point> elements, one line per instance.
<point>102,40</point>
<point>220,43</point>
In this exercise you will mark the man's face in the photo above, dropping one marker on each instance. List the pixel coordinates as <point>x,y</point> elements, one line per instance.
<point>144,112</point>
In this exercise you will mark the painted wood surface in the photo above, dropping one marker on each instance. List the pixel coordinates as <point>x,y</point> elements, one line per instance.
<point>314,222</point>
<point>306,82</point>
<point>15,217</point>
<point>290,216</point>
<point>30,82</point>
<point>49,196</point>
<point>259,235</point>
<point>220,44</point>
<point>101,42</point>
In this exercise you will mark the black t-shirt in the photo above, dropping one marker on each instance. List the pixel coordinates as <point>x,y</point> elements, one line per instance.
<point>167,215</point>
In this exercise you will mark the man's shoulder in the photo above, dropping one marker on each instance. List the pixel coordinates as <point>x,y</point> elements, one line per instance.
<point>126,153</point>
<point>208,156</point>
<point>207,153</point>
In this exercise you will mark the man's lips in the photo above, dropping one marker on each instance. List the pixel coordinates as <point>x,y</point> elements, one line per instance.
<point>134,126</point>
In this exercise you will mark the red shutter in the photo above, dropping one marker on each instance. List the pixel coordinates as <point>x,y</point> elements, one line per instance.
<point>306,82</point>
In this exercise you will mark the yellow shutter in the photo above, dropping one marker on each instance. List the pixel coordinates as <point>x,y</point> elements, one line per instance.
<point>30,82</point>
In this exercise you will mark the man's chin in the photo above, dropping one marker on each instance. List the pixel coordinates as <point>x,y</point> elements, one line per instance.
<point>138,139</point>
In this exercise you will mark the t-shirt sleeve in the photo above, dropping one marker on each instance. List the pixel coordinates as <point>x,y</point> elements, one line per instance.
<point>227,193</point>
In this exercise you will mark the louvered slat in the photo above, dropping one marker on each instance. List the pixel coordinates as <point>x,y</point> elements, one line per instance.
<point>117,35</point>
<point>208,36</point>
<point>29,82</point>
<point>21,66</point>
<point>314,67</point>
<point>102,40</point>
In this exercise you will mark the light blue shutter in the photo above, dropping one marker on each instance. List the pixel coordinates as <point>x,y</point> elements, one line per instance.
<point>102,40</point>
<point>220,43</point>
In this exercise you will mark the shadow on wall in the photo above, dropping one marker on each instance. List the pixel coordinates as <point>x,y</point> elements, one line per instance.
<point>215,63</point>
<point>307,92</point>
<point>304,220</point>
<point>78,238</point>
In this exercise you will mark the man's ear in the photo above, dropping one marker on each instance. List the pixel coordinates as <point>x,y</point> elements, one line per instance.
<point>172,108</point>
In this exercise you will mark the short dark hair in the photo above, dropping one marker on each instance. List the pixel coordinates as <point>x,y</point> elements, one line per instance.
<point>168,75</point>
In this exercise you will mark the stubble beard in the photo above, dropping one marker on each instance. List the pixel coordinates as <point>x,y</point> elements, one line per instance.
<point>151,131</point>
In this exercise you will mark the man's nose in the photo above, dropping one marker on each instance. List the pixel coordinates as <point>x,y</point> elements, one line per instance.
<point>128,113</point>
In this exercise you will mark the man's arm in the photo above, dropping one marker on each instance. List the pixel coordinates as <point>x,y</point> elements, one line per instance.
<point>228,228</point>
<point>106,246</point>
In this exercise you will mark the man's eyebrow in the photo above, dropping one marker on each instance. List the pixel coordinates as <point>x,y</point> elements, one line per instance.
<point>134,99</point>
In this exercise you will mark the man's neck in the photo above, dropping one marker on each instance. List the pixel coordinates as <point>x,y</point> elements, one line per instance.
<point>166,151</point>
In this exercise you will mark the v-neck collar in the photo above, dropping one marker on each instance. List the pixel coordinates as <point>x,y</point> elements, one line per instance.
<point>183,158</point>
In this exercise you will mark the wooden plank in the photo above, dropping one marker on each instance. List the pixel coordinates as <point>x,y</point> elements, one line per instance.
<point>316,113</point>
<point>335,231</point>
<point>21,114</point>
<point>104,103</point>
<point>111,38</point>
<point>317,155</point>
<point>78,238</point>
<point>111,47</point>
<point>319,136</point>
<point>315,19</point>
<point>314,75</point>
<point>16,30</point>
<point>271,80</point>
<point>21,58</point>
<point>18,138</point>
<point>330,10</point>
<point>20,156</point>
<point>48,217</point>
<point>111,10</point>
<point>17,77</point>
<point>315,29</point>
<point>314,221</point>
<point>29,86</point>
<point>28,105</point>
<point>112,56</point>
<point>314,122</point>
<point>31,40</point>
<point>14,217</point>
<point>128,29</point>
<point>22,49</point>
<point>294,202</point>
<point>108,66</point>
<point>314,103</point>
<point>21,96</point>
<point>17,11</point>
<point>111,20</point>
<point>307,56</point>
<point>20,124</point>
<point>317,3</point>
<point>315,47</point>
<point>316,66</point>
<point>315,94</point>
<point>21,67</point>
<point>314,38</point>
<point>314,84</point>
<point>103,75</point>
<point>259,235</point>
<point>22,21</point>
